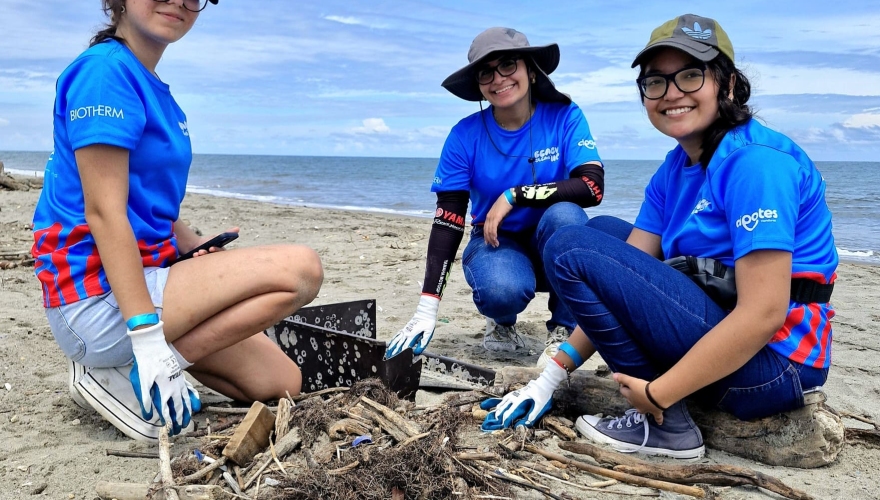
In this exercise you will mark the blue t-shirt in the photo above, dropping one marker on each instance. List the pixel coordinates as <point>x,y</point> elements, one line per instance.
<point>558,137</point>
<point>760,191</point>
<point>106,96</point>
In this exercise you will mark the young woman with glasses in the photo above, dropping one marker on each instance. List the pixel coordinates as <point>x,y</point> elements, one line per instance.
<point>107,229</point>
<point>528,166</point>
<point>742,321</point>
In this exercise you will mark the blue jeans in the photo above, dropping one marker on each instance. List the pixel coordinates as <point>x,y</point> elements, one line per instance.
<point>644,316</point>
<point>504,279</point>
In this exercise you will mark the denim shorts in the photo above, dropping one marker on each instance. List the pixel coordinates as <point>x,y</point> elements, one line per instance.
<point>92,331</point>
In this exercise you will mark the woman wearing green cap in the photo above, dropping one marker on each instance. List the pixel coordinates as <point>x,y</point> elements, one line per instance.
<point>528,165</point>
<point>738,317</point>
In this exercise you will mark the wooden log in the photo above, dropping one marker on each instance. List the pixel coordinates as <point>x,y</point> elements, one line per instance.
<point>867,437</point>
<point>620,476</point>
<point>8,182</point>
<point>716,475</point>
<point>251,436</point>
<point>132,491</point>
<point>808,437</point>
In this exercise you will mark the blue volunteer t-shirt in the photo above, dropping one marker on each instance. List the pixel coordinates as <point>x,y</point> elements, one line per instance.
<point>760,191</point>
<point>558,137</point>
<point>106,96</point>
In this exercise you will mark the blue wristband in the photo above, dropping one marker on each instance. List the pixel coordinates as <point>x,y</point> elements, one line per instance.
<point>509,195</point>
<point>142,319</point>
<point>572,353</point>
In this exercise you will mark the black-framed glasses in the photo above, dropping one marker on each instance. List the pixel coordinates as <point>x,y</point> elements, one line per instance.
<point>190,5</point>
<point>689,79</point>
<point>505,67</point>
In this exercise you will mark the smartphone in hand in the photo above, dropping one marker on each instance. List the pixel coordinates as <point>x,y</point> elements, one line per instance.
<point>218,241</point>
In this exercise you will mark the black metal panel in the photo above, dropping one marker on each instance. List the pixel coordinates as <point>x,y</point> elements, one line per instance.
<point>329,358</point>
<point>473,374</point>
<point>357,317</point>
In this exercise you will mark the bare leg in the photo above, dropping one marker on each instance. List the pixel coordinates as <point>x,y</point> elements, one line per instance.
<point>215,304</point>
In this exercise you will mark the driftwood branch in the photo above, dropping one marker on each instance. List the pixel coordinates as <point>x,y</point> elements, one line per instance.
<point>620,476</point>
<point>716,475</point>
<point>132,491</point>
<point>165,464</point>
<point>808,437</point>
<point>392,423</point>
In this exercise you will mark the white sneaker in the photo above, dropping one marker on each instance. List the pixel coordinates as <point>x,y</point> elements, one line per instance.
<point>555,338</point>
<point>75,373</point>
<point>109,392</point>
<point>500,338</point>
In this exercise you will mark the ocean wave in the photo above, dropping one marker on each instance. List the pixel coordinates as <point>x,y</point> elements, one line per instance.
<point>23,173</point>
<point>862,256</point>
<point>301,203</point>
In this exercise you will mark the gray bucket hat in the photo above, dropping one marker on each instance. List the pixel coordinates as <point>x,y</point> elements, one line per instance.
<point>492,43</point>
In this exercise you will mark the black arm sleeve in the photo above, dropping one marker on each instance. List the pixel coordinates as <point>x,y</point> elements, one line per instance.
<point>446,235</point>
<point>584,188</point>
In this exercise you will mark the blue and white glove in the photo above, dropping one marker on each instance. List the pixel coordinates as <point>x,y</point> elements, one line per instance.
<point>158,381</point>
<point>527,405</point>
<point>418,332</point>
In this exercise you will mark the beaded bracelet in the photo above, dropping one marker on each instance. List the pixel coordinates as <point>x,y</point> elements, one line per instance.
<point>141,320</point>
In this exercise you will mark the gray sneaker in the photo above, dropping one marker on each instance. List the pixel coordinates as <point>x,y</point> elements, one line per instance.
<point>501,338</point>
<point>678,437</point>
<point>555,338</point>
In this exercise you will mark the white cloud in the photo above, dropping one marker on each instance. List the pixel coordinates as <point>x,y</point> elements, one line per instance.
<point>862,120</point>
<point>372,126</point>
<point>4,122</point>
<point>344,19</point>
<point>610,84</point>
<point>776,79</point>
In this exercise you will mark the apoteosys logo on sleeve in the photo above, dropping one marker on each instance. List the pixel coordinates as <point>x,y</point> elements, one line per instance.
<point>750,221</point>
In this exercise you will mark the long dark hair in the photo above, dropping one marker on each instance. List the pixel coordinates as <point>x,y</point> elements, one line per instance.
<point>732,112</point>
<point>113,10</point>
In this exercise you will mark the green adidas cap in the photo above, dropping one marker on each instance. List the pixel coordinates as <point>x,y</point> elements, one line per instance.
<point>698,36</point>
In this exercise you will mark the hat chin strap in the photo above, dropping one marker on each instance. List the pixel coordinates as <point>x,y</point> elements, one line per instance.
<point>531,159</point>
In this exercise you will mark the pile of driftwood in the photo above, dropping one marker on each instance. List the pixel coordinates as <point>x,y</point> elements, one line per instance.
<point>364,443</point>
<point>10,183</point>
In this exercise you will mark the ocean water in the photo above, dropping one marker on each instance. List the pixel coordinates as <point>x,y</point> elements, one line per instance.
<point>402,186</point>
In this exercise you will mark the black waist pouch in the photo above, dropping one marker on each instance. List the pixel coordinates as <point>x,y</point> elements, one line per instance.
<point>719,283</point>
<point>716,279</point>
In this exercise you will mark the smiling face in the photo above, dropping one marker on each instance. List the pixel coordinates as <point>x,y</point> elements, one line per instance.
<point>507,92</point>
<point>155,23</point>
<point>684,117</point>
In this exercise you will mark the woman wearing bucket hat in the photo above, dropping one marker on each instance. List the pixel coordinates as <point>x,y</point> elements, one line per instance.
<point>732,196</point>
<point>528,165</point>
<point>107,229</point>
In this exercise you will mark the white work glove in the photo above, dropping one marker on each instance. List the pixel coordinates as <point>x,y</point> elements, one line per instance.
<point>418,332</point>
<point>158,381</point>
<point>527,405</point>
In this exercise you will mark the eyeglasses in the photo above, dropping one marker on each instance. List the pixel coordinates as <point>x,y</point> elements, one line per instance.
<point>190,5</point>
<point>505,67</point>
<point>687,80</point>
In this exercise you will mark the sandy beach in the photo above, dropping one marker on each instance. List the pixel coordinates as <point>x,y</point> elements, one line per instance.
<point>49,447</point>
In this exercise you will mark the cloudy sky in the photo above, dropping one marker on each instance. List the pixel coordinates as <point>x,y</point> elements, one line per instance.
<point>362,78</point>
